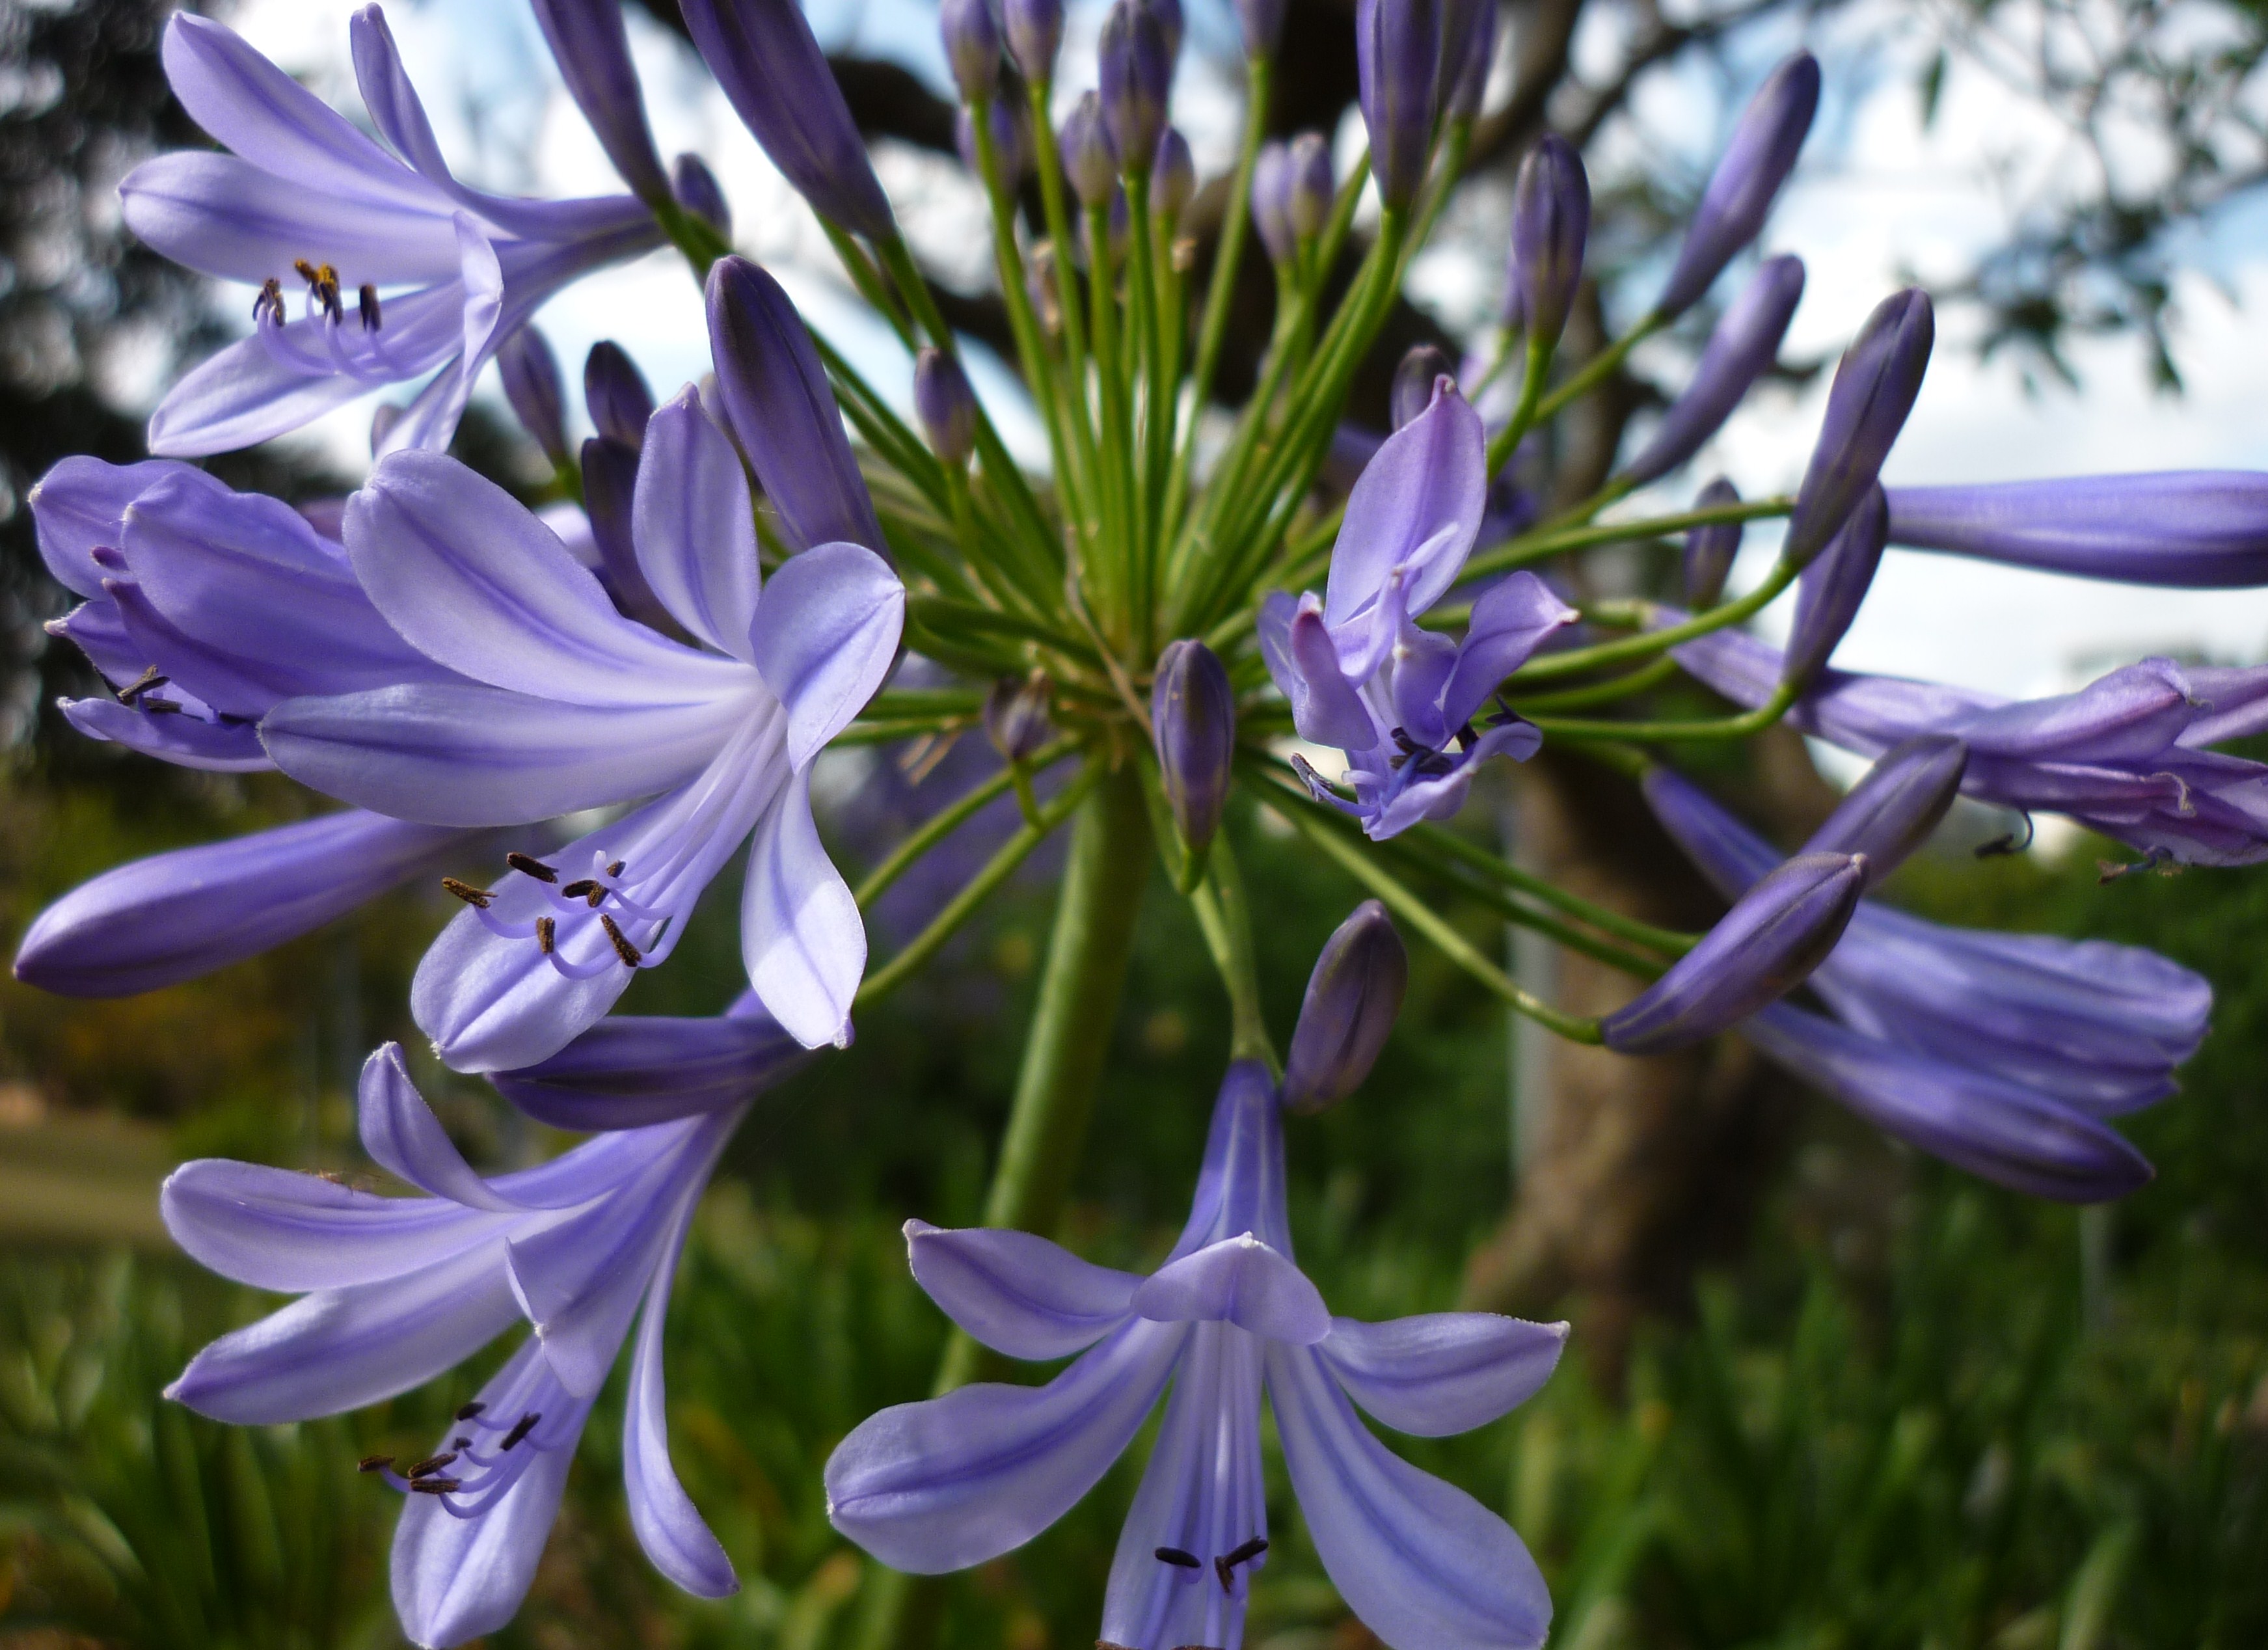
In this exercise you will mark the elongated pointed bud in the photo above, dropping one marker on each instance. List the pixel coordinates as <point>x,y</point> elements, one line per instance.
<point>766,58</point>
<point>1271,203</point>
<point>1193,718</point>
<point>1398,46</point>
<point>699,193</point>
<point>1892,810</point>
<point>2182,529</point>
<point>1261,22</point>
<point>1034,30</point>
<point>614,393</point>
<point>1308,186</point>
<point>1089,161</point>
<point>1172,178</point>
<point>610,470</point>
<point>1766,945</point>
<point>1468,62</point>
<point>1423,368</point>
<point>531,384</point>
<point>972,46</point>
<point>592,50</point>
<point>1740,351</point>
<point>1876,384</point>
<point>1137,63</point>
<point>1016,715</point>
<point>1011,140</point>
<point>1352,998</point>
<point>1709,548</point>
<point>1551,222</point>
<point>1748,178</point>
<point>946,406</point>
<point>1828,596</point>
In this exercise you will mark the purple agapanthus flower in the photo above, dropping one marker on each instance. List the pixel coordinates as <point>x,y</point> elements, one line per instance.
<point>2126,756</point>
<point>401,271</point>
<point>956,1480</point>
<point>1398,700</point>
<point>565,704</point>
<point>395,1290</point>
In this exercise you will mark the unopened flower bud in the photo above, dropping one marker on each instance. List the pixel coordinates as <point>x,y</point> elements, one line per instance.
<point>1876,384</point>
<point>1352,998</point>
<point>1193,717</point>
<point>1088,160</point>
<point>972,46</point>
<point>1011,140</point>
<point>1398,71</point>
<point>1827,595</point>
<point>2182,529</point>
<point>615,393</point>
<point>1423,368</point>
<point>1016,715</point>
<point>946,406</point>
<point>1740,351</point>
<point>1709,548</point>
<point>592,50</point>
<point>1741,191</point>
<point>1136,78</point>
<point>1271,201</point>
<point>1551,222</point>
<point>1035,36</point>
<point>1468,62</point>
<point>1173,177</point>
<point>1766,945</point>
<point>1310,186</point>
<point>1892,810</point>
<point>1261,24</point>
<point>698,192</point>
<point>531,384</point>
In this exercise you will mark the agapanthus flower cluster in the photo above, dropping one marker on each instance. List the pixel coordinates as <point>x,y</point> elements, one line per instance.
<point>563,714</point>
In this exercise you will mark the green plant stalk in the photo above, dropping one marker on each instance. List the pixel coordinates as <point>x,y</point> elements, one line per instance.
<point>1538,545</point>
<point>695,237</point>
<point>1577,661</point>
<point>1639,680</point>
<point>1454,142</point>
<point>868,281</point>
<point>1504,904</point>
<point>1524,416</point>
<point>1333,240</point>
<point>1607,360</point>
<point>1113,597</point>
<point>885,731</point>
<point>1224,915</point>
<point>1741,726</point>
<point>1147,367</point>
<point>1048,162</point>
<point>1495,868</point>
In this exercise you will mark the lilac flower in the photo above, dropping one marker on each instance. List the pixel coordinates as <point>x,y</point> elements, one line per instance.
<point>1360,675</point>
<point>1740,351</point>
<point>1709,548</point>
<point>972,46</point>
<point>1469,53</point>
<point>1137,70</point>
<point>570,706</point>
<point>1172,178</point>
<point>1353,995</point>
<point>1035,32</point>
<point>960,1480</point>
<point>616,394</point>
<point>1398,46</point>
<point>1423,366</point>
<point>696,190</point>
<point>1309,186</point>
<point>406,271</point>
<point>1550,226</point>
<point>1876,384</point>
<point>1193,716</point>
<point>530,372</point>
<point>1271,204</point>
<point>1261,22</point>
<point>2124,755</point>
<point>394,1290</point>
<point>592,50</point>
<point>1829,593</point>
<point>1747,180</point>
<point>2190,529</point>
<point>946,406</point>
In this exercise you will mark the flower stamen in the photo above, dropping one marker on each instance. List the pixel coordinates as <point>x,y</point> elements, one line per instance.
<point>479,899</point>
<point>1178,1558</point>
<point>529,866</point>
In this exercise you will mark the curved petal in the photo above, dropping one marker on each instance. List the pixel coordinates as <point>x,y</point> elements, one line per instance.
<point>694,527</point>
<point>942,1484</point>
<point>403,1137</point>
<point>275,1229</point>
<point>241,221</point>
<point>474,580</point>
<point>484,319</point>
<point>1418,1561</point>
<point>1017,1293</point>
<point>1441,1373</point>
<point>801,936</point>
<point>1417,507</point>
<point>81,503</point>
<point>1324,708</point>
<point>825,634</point>
<point>1511,620</point>
<point>633,1071</point>
<point>186,741</point>
<point>1240,1280</point>
<point>669,1527</point>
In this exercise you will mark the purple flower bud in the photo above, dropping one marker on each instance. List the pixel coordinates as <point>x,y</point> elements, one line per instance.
<point>1891,811</point>
<point>1016,715</point>
<point>531,384</point>
<point>783,413</point>
<point>1035,36</point>
<point>1827,595</point>
<point>1309,186</point>
<point>1398,64</point>
<point>1173,177</point>
<point>1874,387</point>
<point>610,470</point>
<point>1772,939</point>
<point>1271,203</point>
<point>1011,140</point>
<point>1710,549</point>
<point>1089,161</point>
<point>1551,221</point>
<point>765,57</point>
<point>615,393</point>
<point>972,46</point>
<point>2185,529</point>
<point>1423,368</point>
<point>1471,53</point>
<point>1741,190</point>
<point>1169,13</point>
<point>1262,23</point>
<point>1352,998</point>
<point>588,42</point>
<point>1193,717</point>
<point>946,406</point>
<point>698,192</point>
<point>1740,351</point>
<point>1136,78</point>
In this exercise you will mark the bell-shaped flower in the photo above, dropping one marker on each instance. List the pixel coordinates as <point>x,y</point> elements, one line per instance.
<point>395,1290</point>
<point>567,705</point>
<point>404,272</point>
<point>960,1480</point>
<point>1400,700</point>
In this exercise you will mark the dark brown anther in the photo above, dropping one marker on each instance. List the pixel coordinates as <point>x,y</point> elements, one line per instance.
<point>630,954</point>
<point>270,305</point>
<point>159,707</point>
<point>468,1411</point>
<point>366,300</point>
<point>581,890</point>
<point>615,869</point>
<point>141,685</point>
<point>436,1486</point>
<point>374,1463</point>
<point>529,866</point>
<point>521,1429</point>
<point>306,270</point>
<point>546,933</point>
<point>1179,1560</point>
<point>460,1443</point>
<point>471,896</point>
<point>323,282</point>
<point>432,1464</point>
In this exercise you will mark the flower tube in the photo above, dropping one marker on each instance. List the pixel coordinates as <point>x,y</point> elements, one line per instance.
<point>2185,529</point>
<point>1747,180</point>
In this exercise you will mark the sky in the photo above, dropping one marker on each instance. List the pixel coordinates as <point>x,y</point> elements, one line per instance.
<point>1879,199</point>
